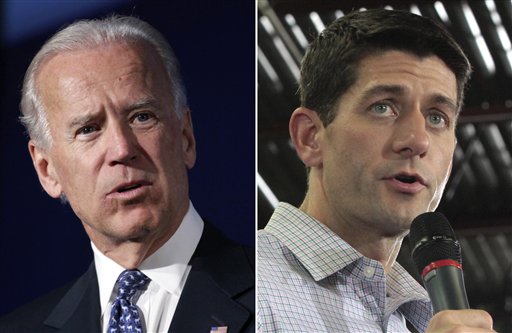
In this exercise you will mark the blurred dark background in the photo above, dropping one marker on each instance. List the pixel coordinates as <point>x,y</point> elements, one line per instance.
<point>42,243</point>
<point>478,197</point>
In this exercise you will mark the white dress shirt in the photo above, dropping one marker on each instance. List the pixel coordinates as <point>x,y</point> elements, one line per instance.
<point>168,270</point>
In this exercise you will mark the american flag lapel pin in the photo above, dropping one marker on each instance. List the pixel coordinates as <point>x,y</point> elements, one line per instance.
<point>219,329</point>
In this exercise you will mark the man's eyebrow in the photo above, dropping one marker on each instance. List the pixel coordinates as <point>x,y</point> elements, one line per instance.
<point>82,119</point>
<point>86,118</point>
<point>444,100</point>
<point>141,104</point>
<point>400,90</point>
<point>383,89</point>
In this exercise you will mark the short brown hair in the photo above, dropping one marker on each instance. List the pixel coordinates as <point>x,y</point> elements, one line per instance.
<point>330,65</point>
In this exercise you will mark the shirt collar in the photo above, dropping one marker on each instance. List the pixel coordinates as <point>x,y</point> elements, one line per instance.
<point>323,253</point>
<point>166,267</point>
<point>309,240</point>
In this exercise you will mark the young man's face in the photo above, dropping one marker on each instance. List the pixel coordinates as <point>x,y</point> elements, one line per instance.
<point>387,155</point>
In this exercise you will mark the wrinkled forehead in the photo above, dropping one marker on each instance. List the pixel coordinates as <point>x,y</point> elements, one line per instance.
<point>102,56</point>
<point>76,71</point>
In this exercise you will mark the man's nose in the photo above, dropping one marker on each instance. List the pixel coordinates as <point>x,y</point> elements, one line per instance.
<point>122,145</point>
<point>411,137</point>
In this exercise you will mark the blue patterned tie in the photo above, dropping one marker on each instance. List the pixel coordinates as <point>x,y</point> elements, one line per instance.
<point>124,317</point>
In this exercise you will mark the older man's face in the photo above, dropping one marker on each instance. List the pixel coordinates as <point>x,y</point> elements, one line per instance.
<point>119,152</point>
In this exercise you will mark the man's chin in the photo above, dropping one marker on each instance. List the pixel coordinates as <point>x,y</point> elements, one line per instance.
<point>133,232</point>
<point>400,219</point>
<point>122,231</point>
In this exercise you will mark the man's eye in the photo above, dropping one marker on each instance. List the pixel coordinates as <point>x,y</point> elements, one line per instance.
<point>437,120</point>
<point>142,117</point>
<point>381,109</point>
<point>86,130</point>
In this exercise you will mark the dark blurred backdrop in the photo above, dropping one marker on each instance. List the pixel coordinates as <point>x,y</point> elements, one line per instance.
<point>42,243</point>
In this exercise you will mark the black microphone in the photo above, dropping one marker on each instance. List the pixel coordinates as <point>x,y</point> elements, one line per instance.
<point>436,253</point>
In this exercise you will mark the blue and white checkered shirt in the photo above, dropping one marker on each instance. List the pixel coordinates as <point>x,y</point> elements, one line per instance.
<point>310,280</point>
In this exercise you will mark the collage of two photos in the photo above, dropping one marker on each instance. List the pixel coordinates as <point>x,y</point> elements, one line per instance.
<point>256,166</point>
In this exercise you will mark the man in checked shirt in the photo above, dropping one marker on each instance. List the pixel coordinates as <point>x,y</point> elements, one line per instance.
<point>380,95</point>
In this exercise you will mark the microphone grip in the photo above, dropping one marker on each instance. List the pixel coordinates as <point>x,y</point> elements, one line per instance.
<point>445,286</point>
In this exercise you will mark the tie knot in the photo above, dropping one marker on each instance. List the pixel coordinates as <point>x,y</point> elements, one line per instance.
<point>129,282</point>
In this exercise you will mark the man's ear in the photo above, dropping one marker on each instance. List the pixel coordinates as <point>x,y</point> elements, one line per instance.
<point>45,170</point>
<point>188,140</point>
<point>305,130</point>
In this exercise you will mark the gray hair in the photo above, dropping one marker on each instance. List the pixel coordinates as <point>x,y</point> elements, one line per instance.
<point>88,34</point>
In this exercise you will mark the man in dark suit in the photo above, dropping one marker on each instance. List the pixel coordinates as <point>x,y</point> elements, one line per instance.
<point>110,133</point>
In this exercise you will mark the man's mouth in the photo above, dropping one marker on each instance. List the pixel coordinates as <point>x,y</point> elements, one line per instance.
<point>406,179</point>
<point>408,183</point>
<point>128,188</point>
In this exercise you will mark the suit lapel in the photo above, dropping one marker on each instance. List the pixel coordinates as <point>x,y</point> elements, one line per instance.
<point>203,305</point>
<point>220,274</point>
<point>79,309</point>
<point>219,292</point>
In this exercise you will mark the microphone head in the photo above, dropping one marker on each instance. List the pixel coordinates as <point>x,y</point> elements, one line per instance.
<point>432,239</point>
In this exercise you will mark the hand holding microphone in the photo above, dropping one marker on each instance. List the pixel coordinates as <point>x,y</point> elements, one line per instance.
<point>436,253</point>
<point>461,321</point>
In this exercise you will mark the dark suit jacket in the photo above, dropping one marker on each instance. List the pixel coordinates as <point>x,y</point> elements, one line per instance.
<point>219,292</point>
